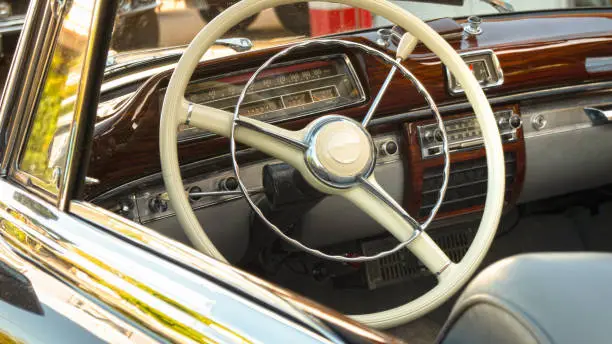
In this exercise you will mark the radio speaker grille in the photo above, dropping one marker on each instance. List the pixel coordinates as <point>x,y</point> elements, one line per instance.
<point>467,184</point>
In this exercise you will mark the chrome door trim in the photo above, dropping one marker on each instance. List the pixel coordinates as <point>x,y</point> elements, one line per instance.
<point>228,275</point>
<point>86,314</point>
<point>179,303</point>
<point>19,115</point>
<point>17,72</point>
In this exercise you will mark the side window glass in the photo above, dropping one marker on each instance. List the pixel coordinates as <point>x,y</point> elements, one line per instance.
<point>43,156</point>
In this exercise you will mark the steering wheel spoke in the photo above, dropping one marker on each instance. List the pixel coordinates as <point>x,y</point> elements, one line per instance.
<point>268,138</point>
<point>371,198</point>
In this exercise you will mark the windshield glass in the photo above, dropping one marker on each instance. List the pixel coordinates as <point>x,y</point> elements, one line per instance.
<point>150,24</point>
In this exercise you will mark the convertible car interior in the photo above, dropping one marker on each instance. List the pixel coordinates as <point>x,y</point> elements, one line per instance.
<point>546,75</point>
<point>377,170</point>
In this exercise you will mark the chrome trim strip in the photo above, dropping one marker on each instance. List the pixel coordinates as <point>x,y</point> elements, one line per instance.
<point>17,71</point>
<point>598,64</point>
<point>558,130</point>
<point>391,203</point>
<point>422,113</point>
<point>224,193</point>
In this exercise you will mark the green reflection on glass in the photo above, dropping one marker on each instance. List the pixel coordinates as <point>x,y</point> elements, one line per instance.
<point>47,142</point>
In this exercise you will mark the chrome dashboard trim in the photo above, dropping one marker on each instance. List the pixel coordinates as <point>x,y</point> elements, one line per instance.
<point>422,113</point>
<point>558,130</point>
<point>598,64</point>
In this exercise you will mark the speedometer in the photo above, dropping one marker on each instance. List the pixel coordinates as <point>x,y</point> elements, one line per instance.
<point>282,92</point>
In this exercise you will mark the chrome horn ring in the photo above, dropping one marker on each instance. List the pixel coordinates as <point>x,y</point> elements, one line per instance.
<point>334,182</point>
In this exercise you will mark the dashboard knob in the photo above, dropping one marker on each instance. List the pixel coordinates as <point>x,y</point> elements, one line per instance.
<point>538,122</point>
<point>438,135</point>
<point>125,208</point>
<point>158,205</point>
<point>229,184</point>
<point>389,147</point>
<point>515,121</point>
<point>501,121</point>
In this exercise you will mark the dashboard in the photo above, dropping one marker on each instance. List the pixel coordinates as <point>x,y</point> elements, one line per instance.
<point>539,81</point>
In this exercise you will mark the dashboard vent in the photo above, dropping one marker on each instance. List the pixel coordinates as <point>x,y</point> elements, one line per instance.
<point>467,184</point>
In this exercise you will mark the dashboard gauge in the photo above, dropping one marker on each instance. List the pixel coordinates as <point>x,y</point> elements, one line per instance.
<point>282,92</point>
<point>485,67</point>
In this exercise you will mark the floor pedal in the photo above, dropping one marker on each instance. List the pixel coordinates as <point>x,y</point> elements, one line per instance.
<point>403,265</point>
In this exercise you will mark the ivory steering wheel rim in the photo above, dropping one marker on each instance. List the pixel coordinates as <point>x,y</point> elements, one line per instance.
<point>177,110</point>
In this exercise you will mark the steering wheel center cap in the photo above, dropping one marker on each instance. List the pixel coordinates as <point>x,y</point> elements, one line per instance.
<point>340,151</point>
<point>345,146</point>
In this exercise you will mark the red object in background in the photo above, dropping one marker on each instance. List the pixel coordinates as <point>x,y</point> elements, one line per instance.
<point>327,18</point>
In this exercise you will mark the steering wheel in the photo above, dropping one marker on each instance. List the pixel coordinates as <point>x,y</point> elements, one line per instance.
<point>336,156</point>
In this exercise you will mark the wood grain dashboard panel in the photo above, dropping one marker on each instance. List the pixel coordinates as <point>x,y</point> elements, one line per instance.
<point>125,145</point>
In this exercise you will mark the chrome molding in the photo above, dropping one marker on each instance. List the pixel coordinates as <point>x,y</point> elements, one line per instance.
<point>423,112</point>
<point>18,73</point>
<point>598,64</point>
<point>36,70</point>
<point>391,203</point>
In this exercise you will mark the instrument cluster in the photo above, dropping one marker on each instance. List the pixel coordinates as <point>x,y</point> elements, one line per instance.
<point>280,93</point>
